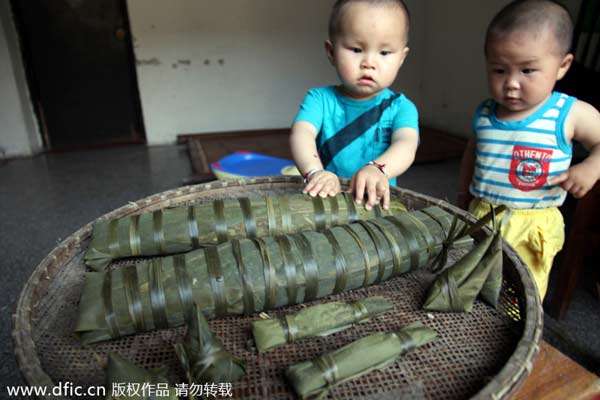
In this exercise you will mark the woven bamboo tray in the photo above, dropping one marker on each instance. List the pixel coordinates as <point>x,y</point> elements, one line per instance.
<point>485,354</point>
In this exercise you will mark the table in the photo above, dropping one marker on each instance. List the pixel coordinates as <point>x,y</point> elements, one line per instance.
<point>556,377</point>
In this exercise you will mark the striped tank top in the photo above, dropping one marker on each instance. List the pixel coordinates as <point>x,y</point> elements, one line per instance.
<point>514,159</point>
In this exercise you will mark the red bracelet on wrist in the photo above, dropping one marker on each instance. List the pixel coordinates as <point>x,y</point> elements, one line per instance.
<point>380,167</point>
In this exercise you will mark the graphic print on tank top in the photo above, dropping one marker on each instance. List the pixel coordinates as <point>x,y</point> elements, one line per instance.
<point>529,167</point>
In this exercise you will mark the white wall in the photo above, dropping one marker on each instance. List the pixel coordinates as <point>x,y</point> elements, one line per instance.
<point>208,66</point>
<point>18,131</point>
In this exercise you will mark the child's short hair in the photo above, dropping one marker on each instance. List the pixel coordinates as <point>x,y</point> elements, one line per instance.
<point>534,15</point>
<point>336,13</point>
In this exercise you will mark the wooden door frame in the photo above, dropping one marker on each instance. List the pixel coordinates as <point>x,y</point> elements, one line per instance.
<point>32,85</point>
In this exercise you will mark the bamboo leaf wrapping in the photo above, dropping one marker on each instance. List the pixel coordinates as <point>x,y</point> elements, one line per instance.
<point>376,351</point>
<point>479,272</point>
<point>142,384</point>
<point>203,357</point>
<point>251,275</point>
<point>456,288</point>
<point>490,292</point>
<point>180,229</point>
<point>318,320</point>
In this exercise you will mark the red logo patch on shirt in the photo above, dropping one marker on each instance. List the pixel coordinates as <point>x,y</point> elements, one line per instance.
<point>529,167</point>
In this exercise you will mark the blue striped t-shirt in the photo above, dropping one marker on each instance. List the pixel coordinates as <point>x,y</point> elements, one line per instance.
<point>514,159</point>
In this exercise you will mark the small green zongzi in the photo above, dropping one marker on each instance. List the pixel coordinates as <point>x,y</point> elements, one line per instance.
<point>203,357</point>
<point>319,320</point>
<point>376,351</point>
<point>479,272</point>
<point>456,288</point>
<point>127,381</point>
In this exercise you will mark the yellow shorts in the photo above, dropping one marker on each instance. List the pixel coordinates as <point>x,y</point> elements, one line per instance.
<point>535,234</point>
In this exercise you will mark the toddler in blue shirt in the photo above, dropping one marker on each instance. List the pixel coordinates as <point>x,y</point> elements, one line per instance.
<point>359,129</point>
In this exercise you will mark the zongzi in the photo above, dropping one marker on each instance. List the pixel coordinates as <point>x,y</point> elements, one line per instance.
<point>127,381</point>
<point>376,351</point>
<point>203,357</point>
<point>183,228</point>
<point>319,320</point>
<point>252,275</point>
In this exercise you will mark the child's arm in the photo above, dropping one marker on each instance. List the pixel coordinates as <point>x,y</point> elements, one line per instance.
<point>397,158</point>
<point>304,150</point>
<point>583,125</point>
<point>467,167</point>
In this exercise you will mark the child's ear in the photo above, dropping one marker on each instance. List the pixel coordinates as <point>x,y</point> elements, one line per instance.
<point>329,51</point>
<point>565,64</point>
<point>404,54</point>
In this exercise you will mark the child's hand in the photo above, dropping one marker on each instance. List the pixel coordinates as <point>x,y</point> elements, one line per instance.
<point>578,179</point>
<point>323,183</point>
<point>371,180</point>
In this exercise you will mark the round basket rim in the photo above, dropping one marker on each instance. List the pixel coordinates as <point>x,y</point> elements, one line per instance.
<point>506,382</point>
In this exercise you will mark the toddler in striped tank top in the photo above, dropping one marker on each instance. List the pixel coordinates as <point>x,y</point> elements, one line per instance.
<point>520,154</point>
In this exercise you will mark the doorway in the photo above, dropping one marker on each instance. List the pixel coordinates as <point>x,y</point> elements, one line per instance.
<point>81,72</point>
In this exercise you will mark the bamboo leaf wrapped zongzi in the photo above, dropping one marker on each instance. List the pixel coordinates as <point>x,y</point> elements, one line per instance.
<point>479,272</point>
<point>319,320</point>
<point>203,357</point>
<point>127,381</point>
<point>183,228</point>
<point>456,288</point>
<point>252,275</point>
<point>376,351</point>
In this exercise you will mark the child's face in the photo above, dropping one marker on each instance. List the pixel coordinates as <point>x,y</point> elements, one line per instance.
<point>369,48</point>
<point>522,69</point>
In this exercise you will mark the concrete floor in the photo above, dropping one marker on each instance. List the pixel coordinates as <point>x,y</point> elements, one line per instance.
<point>46,198</point>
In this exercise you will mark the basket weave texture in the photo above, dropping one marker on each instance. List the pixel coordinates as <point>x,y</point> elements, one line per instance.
<point>480,355</point>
